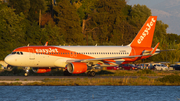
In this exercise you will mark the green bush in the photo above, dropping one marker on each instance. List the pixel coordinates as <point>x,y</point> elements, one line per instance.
<point>170,79</point>
<point>146,71</point>
<point>18,71</point>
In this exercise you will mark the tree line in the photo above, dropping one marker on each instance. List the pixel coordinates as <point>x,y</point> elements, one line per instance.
<point>78,22</point>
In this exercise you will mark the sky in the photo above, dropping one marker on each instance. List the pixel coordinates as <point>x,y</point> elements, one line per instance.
<point>168,11</point>
<point>148,3</point>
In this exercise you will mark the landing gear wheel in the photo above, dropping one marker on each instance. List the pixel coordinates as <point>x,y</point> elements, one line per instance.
<point>26,71</point>
<point>91,73</point>
<point>26,74</point>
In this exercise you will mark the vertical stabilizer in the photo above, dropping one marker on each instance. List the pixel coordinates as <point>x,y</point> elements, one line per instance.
<point>145,35</point>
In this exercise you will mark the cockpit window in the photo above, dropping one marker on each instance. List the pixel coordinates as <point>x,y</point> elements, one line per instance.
<point>19,53</point>
<point>13,53</point>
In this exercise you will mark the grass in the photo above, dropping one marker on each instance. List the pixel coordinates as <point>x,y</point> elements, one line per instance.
<point>102,81</point>
<point>11,84</point>
<point>143,78</point>
<point>170,79</point>
<point>145,81</point>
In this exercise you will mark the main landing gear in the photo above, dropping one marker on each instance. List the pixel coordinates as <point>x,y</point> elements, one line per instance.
<point>91,73</point>
<point>26,71</point>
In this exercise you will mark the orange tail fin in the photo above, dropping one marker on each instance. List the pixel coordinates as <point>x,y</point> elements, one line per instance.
<point>145,35</point>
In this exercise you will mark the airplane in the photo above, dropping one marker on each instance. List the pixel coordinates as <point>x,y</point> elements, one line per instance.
<point>84,59</point>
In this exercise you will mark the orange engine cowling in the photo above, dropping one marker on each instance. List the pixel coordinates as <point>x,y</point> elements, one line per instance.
<point>76,67</point>
<point>41,70</point>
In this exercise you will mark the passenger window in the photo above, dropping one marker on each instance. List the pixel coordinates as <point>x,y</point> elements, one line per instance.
<point>18,53</point>
<point>21,53</point>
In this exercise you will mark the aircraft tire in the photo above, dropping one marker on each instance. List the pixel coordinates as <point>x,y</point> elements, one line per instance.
<point>25,74</point>
<point>91,73</point>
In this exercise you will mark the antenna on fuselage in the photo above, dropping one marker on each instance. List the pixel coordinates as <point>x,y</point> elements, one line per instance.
<point>28,45</point>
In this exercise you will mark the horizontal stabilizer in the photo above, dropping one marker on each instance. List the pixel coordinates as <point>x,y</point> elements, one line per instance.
<point>166,50</point>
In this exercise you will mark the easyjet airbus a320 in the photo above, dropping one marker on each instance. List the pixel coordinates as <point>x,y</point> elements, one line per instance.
<point>83,59</point>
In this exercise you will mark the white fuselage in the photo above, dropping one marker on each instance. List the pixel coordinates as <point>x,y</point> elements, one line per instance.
<point>41,58</point>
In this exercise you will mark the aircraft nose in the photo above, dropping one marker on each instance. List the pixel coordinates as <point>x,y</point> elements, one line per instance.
<point>8,60</point>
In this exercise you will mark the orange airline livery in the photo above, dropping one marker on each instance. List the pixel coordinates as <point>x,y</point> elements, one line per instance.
<point>84,59</point>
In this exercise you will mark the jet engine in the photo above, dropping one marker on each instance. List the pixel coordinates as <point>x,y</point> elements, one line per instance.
<point>41,70</point>
<point>77,67</point>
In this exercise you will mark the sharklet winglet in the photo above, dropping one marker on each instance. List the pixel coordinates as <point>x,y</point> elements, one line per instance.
<point>154,50</point>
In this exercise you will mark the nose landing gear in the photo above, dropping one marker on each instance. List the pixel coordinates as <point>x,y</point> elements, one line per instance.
<point>26,71</point>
